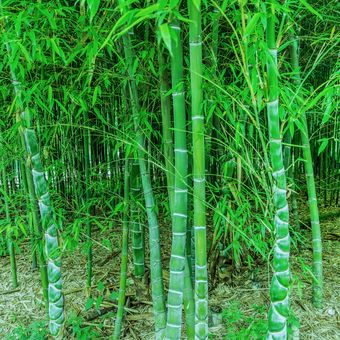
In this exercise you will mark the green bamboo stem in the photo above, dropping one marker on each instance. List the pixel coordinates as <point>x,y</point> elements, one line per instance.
<point>55,297</point>
<point>124,255</point>
<point>37,227</point>
<point>137,229</point>
<point>213,148</point>
<point>201,275</point>
<point>179,213</point>
<point>312,197</point>
<point>166,128</point>
<point>279,289</point>
<point>157,289</point>
<point>189,302</point>
<point>33,235</point>
<point>293,175</point>
<point>9,233</point>
<point>88,166</point>
<point>87,160</point>
<point>188,298</point>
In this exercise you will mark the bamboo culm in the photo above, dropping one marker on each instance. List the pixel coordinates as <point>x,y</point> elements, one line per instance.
<point>137,230</point>
<point>124,255</point>
<point>47,214</point>
<point>201,274</point>
<point>179,213</point>
<point>279,289</point>
<point>312,198</point>
<point>157,289</point>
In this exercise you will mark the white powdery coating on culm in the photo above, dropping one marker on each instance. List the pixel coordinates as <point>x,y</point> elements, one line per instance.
<point>180,215</point>
<point>178,256</point>
<point>175,27</point>
<point>175,94</point>
<point>179,233</point>
<point>181,150</point>
<point>181,191</point>
<point>195,43</point>
<point>199,180</point>
<point>278,173</point>
<point>278,250</point>
<point>280,223</point>
<point>274,104</point>
<point>273,53</point>
<point>284,209</point>
<point>175,291</point>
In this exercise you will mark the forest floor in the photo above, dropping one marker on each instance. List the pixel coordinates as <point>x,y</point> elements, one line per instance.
<point>242,298</point>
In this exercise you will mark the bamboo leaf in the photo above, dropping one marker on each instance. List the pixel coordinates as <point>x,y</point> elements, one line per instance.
<point>197,4</point>
<point>96,91</point>
<point>311,9</point>
<point>323,145</point>
<point>252,24</point>
<point>174,3</point>
<point>313,102</point>
<point>99,301</point>
<point>146,12</point>
<point>89,303</point>
<point>166,36</point>
<point>93,8</point>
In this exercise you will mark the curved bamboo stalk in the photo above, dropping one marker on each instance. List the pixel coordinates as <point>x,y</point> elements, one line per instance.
<point>47,214</point>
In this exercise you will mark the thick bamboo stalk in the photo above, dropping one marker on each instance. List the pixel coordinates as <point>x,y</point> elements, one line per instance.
<point>201,274</point>
<point>47,214</point>
<point>279,289</point>
<point>179,213</point>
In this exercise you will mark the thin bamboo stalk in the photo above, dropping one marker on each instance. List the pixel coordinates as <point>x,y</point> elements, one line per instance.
<point>312,197</point>
<point>124,255</point>
<point>157,289</point>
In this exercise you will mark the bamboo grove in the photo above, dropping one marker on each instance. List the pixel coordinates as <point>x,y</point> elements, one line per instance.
<point>194,129</point>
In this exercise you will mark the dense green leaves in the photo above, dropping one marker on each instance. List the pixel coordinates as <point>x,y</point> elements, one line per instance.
<point>98,95</point>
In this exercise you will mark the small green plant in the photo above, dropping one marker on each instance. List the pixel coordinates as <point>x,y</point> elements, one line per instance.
<point>35,331</point>
<point>240,326</point>
<point>80,330</point>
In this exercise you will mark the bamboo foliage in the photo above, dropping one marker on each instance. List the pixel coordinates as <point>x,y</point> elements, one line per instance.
<point>169,114</point>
